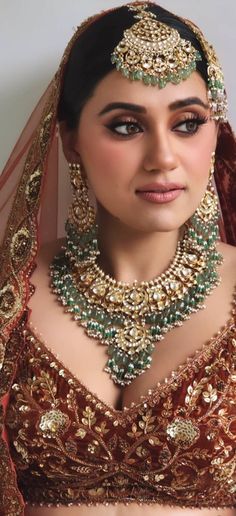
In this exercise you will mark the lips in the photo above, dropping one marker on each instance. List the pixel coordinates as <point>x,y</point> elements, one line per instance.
<point>160,187</point>
<point>160,193</point>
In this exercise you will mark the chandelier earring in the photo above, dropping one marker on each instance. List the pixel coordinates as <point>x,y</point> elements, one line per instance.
<point>203,228</point>
<point>81,212</point>
<point>81,228</point>
<point>208,208</point>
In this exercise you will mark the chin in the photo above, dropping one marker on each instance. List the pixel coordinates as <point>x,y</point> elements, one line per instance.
<point>155,226</point>
<point>160,222</point>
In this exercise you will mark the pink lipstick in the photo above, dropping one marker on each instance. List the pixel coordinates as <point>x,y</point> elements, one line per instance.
<point>160,192</point>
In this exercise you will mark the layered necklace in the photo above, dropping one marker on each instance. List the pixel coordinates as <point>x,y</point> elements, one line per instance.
<point>130,318</point>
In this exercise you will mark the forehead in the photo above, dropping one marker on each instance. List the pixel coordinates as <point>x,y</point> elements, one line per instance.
<point>114,87</point>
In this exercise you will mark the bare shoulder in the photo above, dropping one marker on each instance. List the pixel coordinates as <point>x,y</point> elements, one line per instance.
<point>228,251</point>
<point>49,250</point>
<point>44,258</point>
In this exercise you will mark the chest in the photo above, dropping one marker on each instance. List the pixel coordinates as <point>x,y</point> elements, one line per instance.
<point>86,357</point>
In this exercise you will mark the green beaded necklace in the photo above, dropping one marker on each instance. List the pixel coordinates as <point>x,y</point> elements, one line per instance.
<point>131,318</point>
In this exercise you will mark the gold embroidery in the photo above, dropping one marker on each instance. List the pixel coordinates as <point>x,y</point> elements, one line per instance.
<point>210,395</point>
<point>33,186</point>
<point>95,493</point>
<point>102,429</point>
<point>2,354</point>
<point>222,471</point>
<point>12,351</point>
<point>54,422</point>
<point>8,301</point>
<point>156,451</point>
<point>81,433</point>
<point>194,392</point>
<point>20,244</point>
<point>22,451</point>
<point>88,419</point>
<point>44,135</point>
<point>147,422</point>
<point>182,433</point>
<point>10,500</point>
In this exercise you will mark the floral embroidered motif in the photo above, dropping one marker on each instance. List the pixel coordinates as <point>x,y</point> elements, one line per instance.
<point>88,419</point>
<point>33,186</point>
<point>53,423</point>
<point>8,301</point>
<point>210,395</point>
<point>20,245</point>
<point>182,433</point>
<point>176,447</point>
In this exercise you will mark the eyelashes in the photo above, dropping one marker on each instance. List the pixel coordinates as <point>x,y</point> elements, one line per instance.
<point>193,123</point>
<point>133,127</point>
<point>127,128</point>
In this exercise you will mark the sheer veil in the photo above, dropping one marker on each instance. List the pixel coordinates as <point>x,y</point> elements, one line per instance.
<point>34,195</point>
<point>34,198</point>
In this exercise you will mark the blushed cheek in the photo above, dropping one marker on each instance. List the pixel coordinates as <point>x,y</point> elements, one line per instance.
<point>205,161</point>
<point>108,165</point>
<point>200,155</point>
<point>102,167</point>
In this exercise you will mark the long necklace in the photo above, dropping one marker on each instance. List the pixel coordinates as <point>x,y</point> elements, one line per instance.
<point>131,318</point>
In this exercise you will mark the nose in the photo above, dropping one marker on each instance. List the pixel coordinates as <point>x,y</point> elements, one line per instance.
<point>160,154</point>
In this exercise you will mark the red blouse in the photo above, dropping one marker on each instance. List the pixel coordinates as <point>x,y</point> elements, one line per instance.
<point>175,447</point>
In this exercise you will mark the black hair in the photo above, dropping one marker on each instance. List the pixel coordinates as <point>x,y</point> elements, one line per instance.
<point>90,57</point>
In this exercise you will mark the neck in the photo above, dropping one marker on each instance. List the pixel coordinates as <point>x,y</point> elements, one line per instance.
<point>128,255</point>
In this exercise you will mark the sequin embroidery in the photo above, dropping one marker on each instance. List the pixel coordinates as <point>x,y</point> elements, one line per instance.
<point>175,447</point>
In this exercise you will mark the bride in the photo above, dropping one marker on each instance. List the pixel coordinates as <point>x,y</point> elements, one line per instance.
<point>118,338</point>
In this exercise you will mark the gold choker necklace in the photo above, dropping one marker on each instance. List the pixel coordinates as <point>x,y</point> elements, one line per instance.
<point>130,319</point>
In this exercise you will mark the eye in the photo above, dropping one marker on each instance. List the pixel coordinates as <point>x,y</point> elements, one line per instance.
<point>191,125</point>
<point>125,128</point>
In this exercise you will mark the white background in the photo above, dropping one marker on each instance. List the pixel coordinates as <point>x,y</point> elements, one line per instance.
<point>34,33</point>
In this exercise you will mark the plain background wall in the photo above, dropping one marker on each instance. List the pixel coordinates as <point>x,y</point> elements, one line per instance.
<point>34,33</point>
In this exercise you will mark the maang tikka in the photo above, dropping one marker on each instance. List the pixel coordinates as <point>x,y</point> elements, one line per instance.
<point>131,318</point>
<point>153,52</point>
<point>156,54</point>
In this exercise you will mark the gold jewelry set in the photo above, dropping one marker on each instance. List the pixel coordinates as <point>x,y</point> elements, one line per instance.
<point>131,318</point>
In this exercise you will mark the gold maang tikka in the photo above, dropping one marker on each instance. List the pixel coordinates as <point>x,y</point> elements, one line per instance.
<point>153,52</point>
<point>156,54</point>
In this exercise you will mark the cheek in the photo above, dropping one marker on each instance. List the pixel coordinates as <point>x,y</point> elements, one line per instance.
<point>198,160</point>
<point>107,161</point>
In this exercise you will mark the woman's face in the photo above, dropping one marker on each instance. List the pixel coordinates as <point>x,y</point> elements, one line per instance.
<point>133,137</point>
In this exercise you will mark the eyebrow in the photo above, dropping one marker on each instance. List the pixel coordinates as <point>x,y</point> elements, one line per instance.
<point>187,102</point>
<point>178,104</point>
<point>123,105</point>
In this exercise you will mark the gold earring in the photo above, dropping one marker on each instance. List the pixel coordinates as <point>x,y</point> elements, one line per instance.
<point>212,169</point>
<point>81,213</point>
<point>208,208</point>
